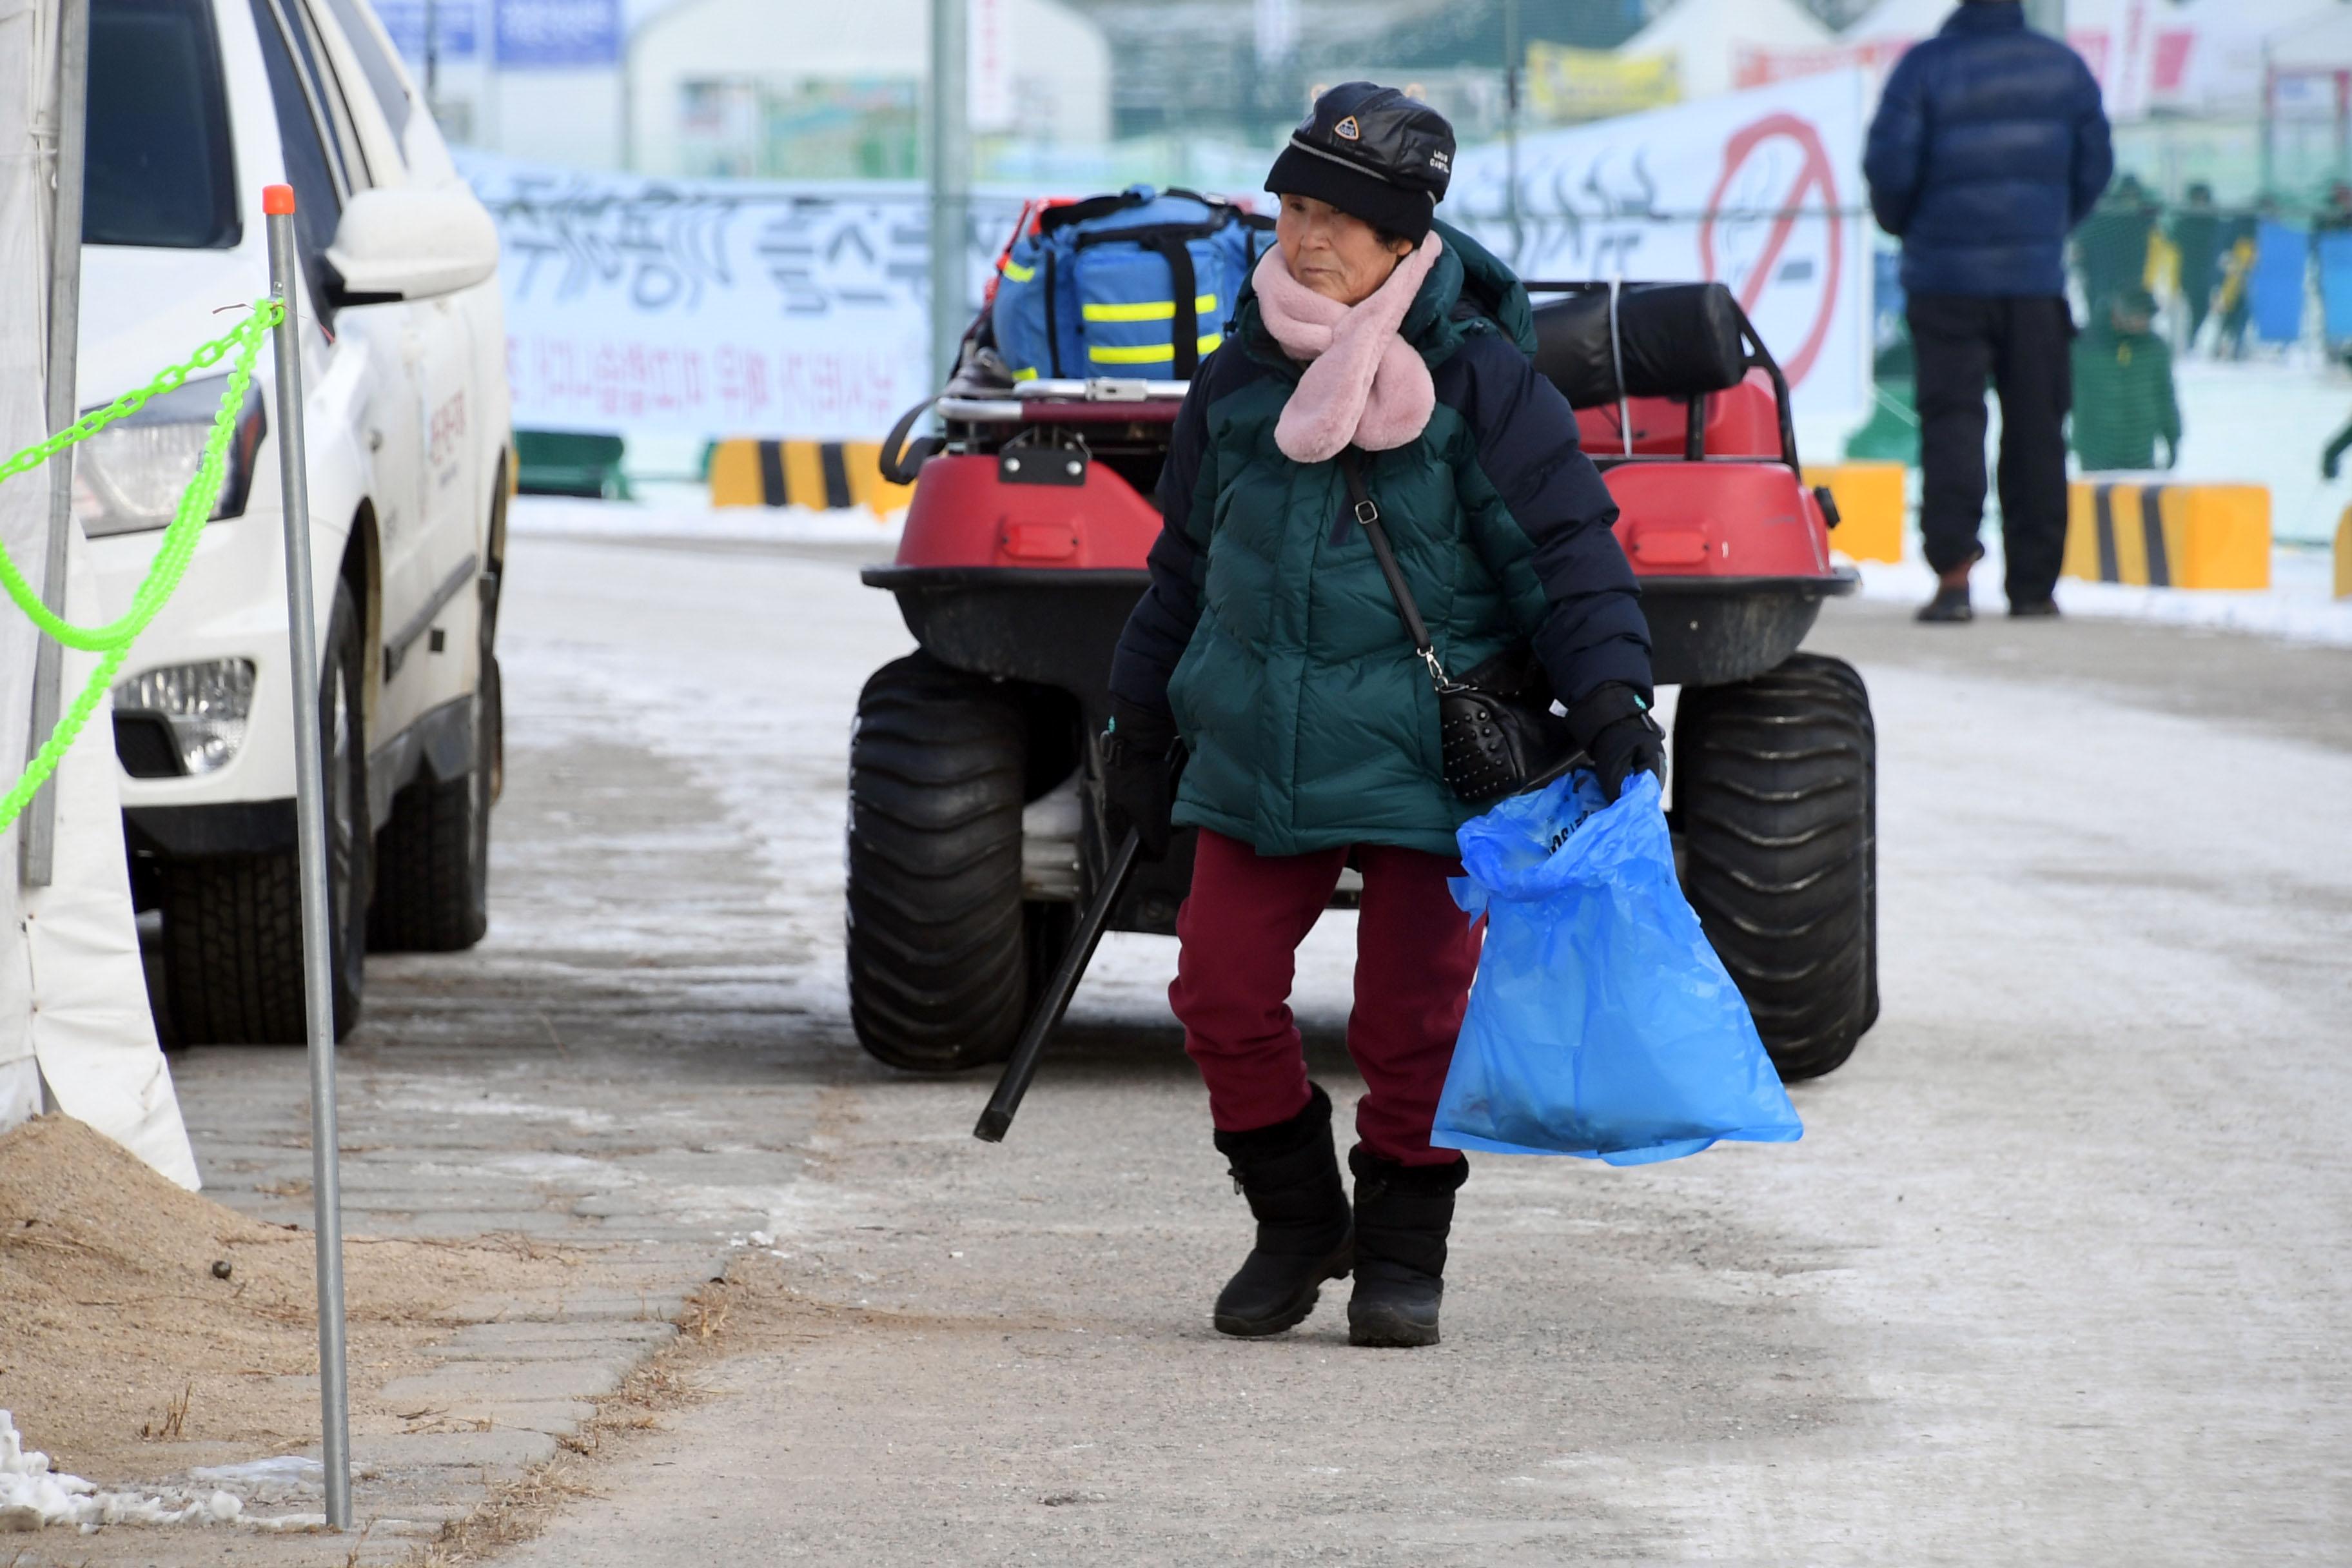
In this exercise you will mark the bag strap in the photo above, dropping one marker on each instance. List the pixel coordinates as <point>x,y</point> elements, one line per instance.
<point>1184,331</point>
<point>1352,469</point>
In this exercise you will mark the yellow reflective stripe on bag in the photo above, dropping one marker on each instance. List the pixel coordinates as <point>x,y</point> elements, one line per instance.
<point>1150,353</point>
<point>1147,309</point>
<point>1014,272</point>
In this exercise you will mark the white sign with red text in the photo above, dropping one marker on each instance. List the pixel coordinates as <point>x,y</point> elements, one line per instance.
<point>1761,190</point>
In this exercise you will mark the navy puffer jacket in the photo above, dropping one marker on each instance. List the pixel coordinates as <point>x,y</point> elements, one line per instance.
<point>1989,146</point>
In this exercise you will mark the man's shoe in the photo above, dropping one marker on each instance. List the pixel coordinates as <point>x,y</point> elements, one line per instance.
<point>2034,610</point>
<point>1306,1232</point>
<point>1948,606</point>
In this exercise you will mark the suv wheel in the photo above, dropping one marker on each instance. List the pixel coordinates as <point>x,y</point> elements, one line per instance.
<point>232,940</point>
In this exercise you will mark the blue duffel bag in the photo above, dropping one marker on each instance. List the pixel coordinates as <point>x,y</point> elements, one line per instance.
<point>1601,1022</point>
<point>1136,284</point>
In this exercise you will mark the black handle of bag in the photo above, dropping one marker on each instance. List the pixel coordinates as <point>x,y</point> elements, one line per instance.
<point>899,467</point>
<point>1352,469</point>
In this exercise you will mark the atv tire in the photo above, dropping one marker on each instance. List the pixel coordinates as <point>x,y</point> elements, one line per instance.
<point>231,935</point>
<point>1776,799</point>
<point>939,962</point>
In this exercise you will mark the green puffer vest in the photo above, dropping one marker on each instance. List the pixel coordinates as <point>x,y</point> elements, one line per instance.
<point>1309,720</point>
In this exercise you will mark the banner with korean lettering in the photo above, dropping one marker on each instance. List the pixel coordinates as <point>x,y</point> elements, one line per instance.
<point>717,307</point>
<point>1761,190</point>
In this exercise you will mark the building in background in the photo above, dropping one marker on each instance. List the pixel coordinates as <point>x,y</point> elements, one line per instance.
<point>537,80</point>
<point>761,87</point>
<point>781,88</point>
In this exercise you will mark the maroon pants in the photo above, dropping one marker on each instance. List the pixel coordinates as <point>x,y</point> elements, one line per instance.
<point>1415,954</point>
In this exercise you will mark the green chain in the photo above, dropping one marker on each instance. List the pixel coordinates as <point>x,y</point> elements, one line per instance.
<point>113,639</point>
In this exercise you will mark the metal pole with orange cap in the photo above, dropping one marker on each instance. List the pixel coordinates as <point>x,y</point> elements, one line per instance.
<point>310,837</point>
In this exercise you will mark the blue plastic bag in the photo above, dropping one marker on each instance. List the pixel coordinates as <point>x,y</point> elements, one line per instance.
<point>1601,1022</point>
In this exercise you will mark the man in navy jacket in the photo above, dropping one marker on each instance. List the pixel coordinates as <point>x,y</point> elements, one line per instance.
<point>1989,146</point>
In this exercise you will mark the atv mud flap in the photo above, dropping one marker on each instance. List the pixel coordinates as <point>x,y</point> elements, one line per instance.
<point>1706,631</point>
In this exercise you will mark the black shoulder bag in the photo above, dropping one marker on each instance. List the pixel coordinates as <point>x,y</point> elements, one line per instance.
<point>1495,727</point>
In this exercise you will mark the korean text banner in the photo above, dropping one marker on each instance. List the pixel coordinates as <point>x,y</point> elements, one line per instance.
<point>1761,190</point>
<point>718,308</point>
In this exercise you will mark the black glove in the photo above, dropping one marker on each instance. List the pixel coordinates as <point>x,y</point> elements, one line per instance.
<point>1138,783</point>
<point>1613,723</point>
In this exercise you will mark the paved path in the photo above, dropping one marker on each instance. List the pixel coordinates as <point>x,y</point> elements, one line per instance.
<point>2055,1275</point>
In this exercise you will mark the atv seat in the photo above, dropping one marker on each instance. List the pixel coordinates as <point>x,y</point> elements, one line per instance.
<point>1598,343</point>
<point>1679,365</point>
<point>1742,421</point>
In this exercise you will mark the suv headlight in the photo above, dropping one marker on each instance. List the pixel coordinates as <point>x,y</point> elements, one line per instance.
<point>129,476</point>
<point>205,706</point>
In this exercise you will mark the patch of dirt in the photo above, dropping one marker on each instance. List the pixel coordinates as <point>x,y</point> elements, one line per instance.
<point>145,1329</point>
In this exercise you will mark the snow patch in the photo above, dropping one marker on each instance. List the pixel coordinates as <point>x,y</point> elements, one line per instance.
<point>2298,606</point>
<point>33,1496</point>
<point>685,512</point>
<point>283,1471</point>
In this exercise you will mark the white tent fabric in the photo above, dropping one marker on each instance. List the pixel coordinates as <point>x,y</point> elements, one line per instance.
<point>2324,45</point>
<point>2137,49</point>
<point>1709,38</point>
<point>2222,70</point>
<point>73,994</point>
<point>1899,21</point>
<point>22,503</point>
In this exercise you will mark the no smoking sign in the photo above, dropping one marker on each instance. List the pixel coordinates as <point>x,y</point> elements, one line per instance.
<point>1774,232</point>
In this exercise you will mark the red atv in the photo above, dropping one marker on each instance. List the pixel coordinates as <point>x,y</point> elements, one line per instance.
<point>975,827</point>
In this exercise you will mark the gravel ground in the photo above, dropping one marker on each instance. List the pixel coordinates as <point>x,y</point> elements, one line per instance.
<point>2055,1276</point>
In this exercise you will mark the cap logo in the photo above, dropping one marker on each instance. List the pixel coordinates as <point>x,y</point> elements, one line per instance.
<point>1348,130</point>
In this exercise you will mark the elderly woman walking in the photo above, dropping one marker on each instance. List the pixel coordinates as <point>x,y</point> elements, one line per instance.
<point>1269,647</point>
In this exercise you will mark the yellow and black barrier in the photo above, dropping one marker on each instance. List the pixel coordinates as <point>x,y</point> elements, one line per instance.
<point>1871,507</point>
<point>2157,535</point>
<point>825,475</point>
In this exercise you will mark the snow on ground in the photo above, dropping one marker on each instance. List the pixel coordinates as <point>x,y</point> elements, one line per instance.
<point>2297,607</point>
<point>32,1496</point>
<point>683,512</point>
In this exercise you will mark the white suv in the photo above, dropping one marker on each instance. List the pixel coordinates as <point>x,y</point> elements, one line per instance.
<point>194,106</point>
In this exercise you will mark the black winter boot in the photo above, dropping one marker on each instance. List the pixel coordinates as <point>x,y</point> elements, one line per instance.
<point>1402,1214</point>
<point>1290,1173</point>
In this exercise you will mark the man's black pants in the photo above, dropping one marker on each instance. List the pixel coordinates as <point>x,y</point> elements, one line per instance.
<point>2024,346</point>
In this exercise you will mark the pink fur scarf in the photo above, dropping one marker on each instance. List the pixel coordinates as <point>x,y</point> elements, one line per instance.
<point>1363,382</point>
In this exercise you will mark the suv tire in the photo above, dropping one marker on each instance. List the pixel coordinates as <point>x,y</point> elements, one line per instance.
<point>232,938</point>
<point>1776,801</point>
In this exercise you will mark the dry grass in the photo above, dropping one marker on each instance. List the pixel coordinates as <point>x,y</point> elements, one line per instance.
<point>706,1311</point>
<point>174,1423</point>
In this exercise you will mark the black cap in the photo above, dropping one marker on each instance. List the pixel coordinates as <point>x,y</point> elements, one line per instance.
<point>1372,153</point>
